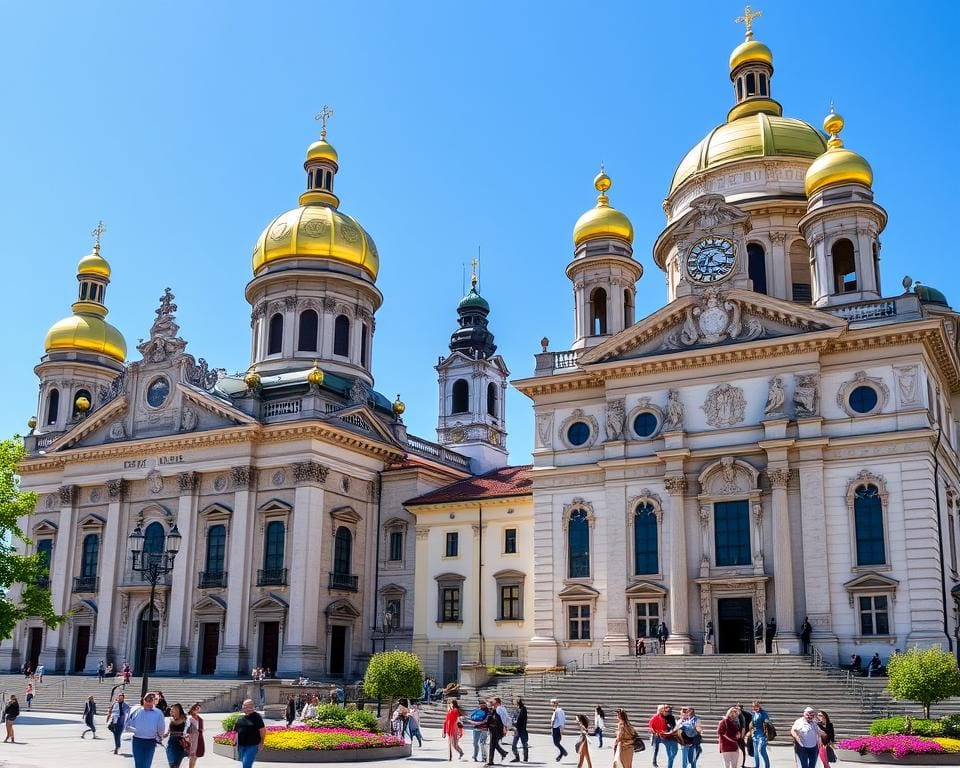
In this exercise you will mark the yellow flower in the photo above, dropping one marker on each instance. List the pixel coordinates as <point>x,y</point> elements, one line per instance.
<point>950,745</point>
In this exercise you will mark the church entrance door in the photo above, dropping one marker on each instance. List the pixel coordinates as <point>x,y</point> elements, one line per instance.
<point>269,644</point>
<point>148,633</point>
<point>34,644</point>
<point>209,644</point>
<point>81,648</point>
<point>734,633</point>
<point>451,667</point>
<point>338,649</point>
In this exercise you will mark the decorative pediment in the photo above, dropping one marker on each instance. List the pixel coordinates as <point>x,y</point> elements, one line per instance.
<point>92,522</point>
<point>392,590</point>
<point>213,412</point>
<point>361,416</point>
<point>510,574</point>
<point>83,609</point>
<point>210,604</point>
<point>275,505</point>
<point>270,603</point>
<point>450,577</point>
<point>578,592</point>
<point>346,514</point>
<point>94,429</point>
<point>216,511</point>
<point>645,589</point>
<point>872,582</point>
<point>342,609</point>
<point>728,477</point>
<point>45,527</point>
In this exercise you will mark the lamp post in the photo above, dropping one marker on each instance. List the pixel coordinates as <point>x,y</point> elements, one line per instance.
<point>387,629</point>
<point>153,566</point>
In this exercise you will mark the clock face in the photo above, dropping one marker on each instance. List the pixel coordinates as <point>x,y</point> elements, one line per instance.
<point>711,259</point>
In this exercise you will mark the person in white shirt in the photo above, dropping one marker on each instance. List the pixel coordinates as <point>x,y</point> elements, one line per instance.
<point>148,726</point>
<point>806,735</point>
<point>598,725</point>
<point>557,721</point>
<point>309,711</point>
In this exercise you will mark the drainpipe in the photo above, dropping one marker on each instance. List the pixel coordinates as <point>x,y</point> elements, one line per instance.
<point>480,584</point>
<point>376,571</point>
<point>943,569</point>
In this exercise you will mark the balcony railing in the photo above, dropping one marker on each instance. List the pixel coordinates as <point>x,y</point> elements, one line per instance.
<point>343,581</point>
<point>212,579</point>
<point>85,583</point>
<point>271,577</point>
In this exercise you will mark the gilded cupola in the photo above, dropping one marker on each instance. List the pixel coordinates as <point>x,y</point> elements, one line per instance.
<point>602,220</point>
<point>837,165</point>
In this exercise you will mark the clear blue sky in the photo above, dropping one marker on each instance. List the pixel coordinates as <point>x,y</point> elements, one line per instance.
<point>183,126</point>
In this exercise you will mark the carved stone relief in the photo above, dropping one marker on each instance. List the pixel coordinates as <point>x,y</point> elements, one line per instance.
<point>775,398</point>
<point>154,481</point>
<point>117,431</point>
<point>725,406</point>
<point>116,488</point>
<point>309,472</point>
<point>68,493</point>
<point>908,385</point>
<point>188,420</point>
<point>728,477</point>
<point>187,481</point>
<point>579,415</point>
<point>673,421</point>
<point>616,417</point>
<point>806,395</point>
<point>544,428</point>
<point>243,477</point>
<point>712,320</point>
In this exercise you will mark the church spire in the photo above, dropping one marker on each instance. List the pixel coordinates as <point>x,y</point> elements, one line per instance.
<point>472,337</point>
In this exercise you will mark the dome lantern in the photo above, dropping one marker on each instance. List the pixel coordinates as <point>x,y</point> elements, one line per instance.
<point>751,70</point>
<point>603,220</point>
<point>837,165</point>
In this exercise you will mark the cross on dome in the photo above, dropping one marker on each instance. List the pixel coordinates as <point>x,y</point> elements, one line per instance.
<point>323,115</point>
<point>95,233</point>
<point>747,20</point>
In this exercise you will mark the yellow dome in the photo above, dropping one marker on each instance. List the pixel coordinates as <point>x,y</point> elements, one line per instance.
<point>754,136</point>
<point>94,264</point>
<point>602,221</point>
<point>316,231</point>
<point>84,332</point>
<point>837,165</point>
<point>322,150</point>
<point>748,51</point>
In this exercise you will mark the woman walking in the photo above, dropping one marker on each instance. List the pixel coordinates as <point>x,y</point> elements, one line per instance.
<point>29,696</point>
<point>117,719</point>
<point>176,739</point>
<point>598,725</point>
<point>452,728</point>
<point>520,734</point>
<point>690,729</point>
<point>758,726</point>
<point>826,741</point>
<point>89,713</point>
<point>728,738</point>
<point>583,743</point>
<point>195,731</point>
<point>623,745</point>
<point>10,713</point>
<point>291,713</point>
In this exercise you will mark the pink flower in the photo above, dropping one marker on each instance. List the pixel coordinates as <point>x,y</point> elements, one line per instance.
<point>899,744</point>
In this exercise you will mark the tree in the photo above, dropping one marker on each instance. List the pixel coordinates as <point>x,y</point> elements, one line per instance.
<point>393,675</point>
<point>25,570</point>
<point>923,675</point>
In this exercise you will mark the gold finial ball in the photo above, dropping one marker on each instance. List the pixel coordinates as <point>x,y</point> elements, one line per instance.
<point>602,182</point>
<point>398,406</point>
<point>833,123</point>
<point>252,379</point>
<point>315,376</point>
<point>82,403</point>
<point>32,422</point>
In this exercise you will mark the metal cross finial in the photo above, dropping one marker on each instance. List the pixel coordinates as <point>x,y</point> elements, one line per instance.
<point>473,278</point>
<point>323,115</point>
<point>96,232</point>
<point>747,19</point>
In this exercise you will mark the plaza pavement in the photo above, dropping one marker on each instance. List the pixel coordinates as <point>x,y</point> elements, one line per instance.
<point>50,740</point>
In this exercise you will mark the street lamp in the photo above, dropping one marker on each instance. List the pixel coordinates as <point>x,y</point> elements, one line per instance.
<point>153,566</point>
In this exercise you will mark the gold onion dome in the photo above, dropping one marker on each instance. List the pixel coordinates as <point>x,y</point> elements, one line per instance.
<point>750,51</point>
<point>837,165</point>
<point>315,375</point>
<point>602,221</point>
<point>398,406</point>
<point>94,264</point>
<point>321,149</point>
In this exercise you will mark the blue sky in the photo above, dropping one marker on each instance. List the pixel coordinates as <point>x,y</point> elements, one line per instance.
<point>183,126</point>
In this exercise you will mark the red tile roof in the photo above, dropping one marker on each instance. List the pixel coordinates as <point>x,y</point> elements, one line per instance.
<point>505,481</point>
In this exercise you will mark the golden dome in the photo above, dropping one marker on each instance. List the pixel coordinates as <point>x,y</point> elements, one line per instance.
<point>602,221</point>
<point>322,150</point>
<point>86,332</point>
<point>837,165</point>
<point>750,51</point>
<point>94,264</point>
<point>319,231</point>
<point>754,136</point>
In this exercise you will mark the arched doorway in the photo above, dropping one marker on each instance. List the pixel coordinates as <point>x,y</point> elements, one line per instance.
<point>148,635</point>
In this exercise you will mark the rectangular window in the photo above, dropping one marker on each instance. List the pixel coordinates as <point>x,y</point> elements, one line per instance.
<point>453,544</point>
<point>510,541</point>
<point>731,531</point>
<point>510,603</point>
<point>396,545</point>
<point>579,621</point>
<point>874,619</point>
<point>450,603</point>
<point>648,617</point>
<point>952,524</point>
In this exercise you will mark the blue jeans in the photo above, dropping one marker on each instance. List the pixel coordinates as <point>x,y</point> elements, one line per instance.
<point>480,744</point>
<point>143,752</point>
<point>672,748</point>
<point>689,755</point>
<point>655,743</point>
<point>598,732</point>
<point>247,755</point>
<point>760,750</point>
<point>807,756</point>
<point>557,735</point>
<point>117,733</point>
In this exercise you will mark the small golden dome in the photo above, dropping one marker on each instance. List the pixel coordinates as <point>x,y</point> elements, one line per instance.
<point>750,51</point>
<point>398,407</point>
<point>84,332</point>
<point>252,379</point>
<point>32,422</point>
<point>82,404</point>
<point>315,376</point>
<point>837,165</point>
<point>94,264</point>
<point>321,149</point>
<point>602,221</point>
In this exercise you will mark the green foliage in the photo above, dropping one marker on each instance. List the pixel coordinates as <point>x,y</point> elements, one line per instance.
<point>951,725</point>
<point>918,726</point>
<point>230,721</point>
<point>331,714</point>
<point>923,675</point>
<point>24,570</point>
<point>361,719</point>
<point>393,675</point>
<point>515,669</point>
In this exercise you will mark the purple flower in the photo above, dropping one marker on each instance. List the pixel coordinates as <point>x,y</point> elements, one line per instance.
<point>899,744</point>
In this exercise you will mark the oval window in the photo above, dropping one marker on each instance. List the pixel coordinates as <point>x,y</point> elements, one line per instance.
<point>645,424</point>
<point>157,392</point>
<point>863,399</point>
<point>578,433</point>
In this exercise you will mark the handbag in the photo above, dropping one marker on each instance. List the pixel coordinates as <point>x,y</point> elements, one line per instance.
<point>831,754</point>
<point>769,730</point>
<point>638,745</point>
<point>185,743</point>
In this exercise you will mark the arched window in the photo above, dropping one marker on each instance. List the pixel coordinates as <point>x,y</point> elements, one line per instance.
<point>461,396</point>
<point>91,555</point>
<point>739,89</point>
<point>364,334</point>
<point>627,307</point>
<point>868,520</point>
<point>763,84</point>
<point>53,406</point>
<point>275,335</point>
<point>273,546</point>
<point>645,555</point>
<point>757,267</point>
<point>154,539</point>
<point>309,179</point>
<point>800,272</point>
<point>751,84</point>
<point>307,337</point>
<point>844,266</point>
<point>85,393</point>
<point>492,399</point>
<point>216,549</point>
<point>598,312</point>
<point>578,544</point>
<point>342,551</point>
<point>341,336</point>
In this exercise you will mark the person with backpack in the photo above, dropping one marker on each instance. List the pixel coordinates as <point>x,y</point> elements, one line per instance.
<point>497,728</point>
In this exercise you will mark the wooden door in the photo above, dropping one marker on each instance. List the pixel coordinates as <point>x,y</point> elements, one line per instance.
<point>209,646</point>
<point>269,644</point>
<point>81,648</point>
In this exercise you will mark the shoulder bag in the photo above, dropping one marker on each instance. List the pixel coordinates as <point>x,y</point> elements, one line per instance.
<point>769,730</point>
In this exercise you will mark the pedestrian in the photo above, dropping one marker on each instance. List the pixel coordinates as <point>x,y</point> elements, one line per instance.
<point>40,669</point>
<point>758,636</point>
<point>162,704</point>
<point>728,738</point>
<point>109,669</point>
<point>452,729</point>
<point>413,725</point>
<point>497,729</point>
<point>309,711</point>
<point>29,696</point>
<point>691,731</point>
<point>291,711</point>
<point>806,630</point>
<point>806,735</point>
<point>27,671</point>
<point>598,725</point>
<point>827,738</point>
<point>856,664</point>
<point>89,713</point>
<point>148,726</point>
<point>520,734</point>
<point>250,734</point>
<point>664,725</point>
<point>759,734</point>
<point>557,720</point>
<point>117,720</point>
<point>261,691</point>
<point>425,690</point>
<point>656,728</point>
<point>744,719</point>
<point>101,671</point>
<point>398,722</point>
<point>178,743</point>
<point>626,741</point>
<point>582,747</point>
<point>10,713</point>
<point>770,634</point>
<point>127,672</point>
<point>873,668</point>
<point>478,719</point>
<point>663,634</point>
<point>195,729</point>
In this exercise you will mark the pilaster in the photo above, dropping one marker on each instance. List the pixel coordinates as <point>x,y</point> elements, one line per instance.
<point>61,577</point>
<point>176,652</point>
<point>241,569</point>
<point>680,641</point>
<point>112,558</point>
<point>617,637</point>
<point>543,647</point>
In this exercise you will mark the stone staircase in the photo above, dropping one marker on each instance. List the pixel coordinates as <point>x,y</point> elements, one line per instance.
<point>711,684</point>
<point>69,693</point>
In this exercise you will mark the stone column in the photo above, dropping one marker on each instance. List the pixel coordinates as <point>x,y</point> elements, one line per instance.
<point>61,579</point>
<point>241,571</point>
<point>303,652</point>
<point>617,638</point>
<point>542,648</point>
<point>176,651</point>
<point>784,609</point>
<point>113,555</point>
<point>679,626</point>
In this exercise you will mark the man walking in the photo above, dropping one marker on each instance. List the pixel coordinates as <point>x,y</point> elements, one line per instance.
<point>806,735</point>
<point>771,632</point>
<point>89,718</point>
<point>663,634</point>
<point>806,630</point>
<point>478,719</point>
<point>101,671</point>
<point>557,721</point>
<point>497,728</point>
<point>520,730</point>
<point>148,726</point>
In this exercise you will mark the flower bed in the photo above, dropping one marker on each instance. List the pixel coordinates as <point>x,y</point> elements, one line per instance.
<point>896,747</point>
<point>304,737</point>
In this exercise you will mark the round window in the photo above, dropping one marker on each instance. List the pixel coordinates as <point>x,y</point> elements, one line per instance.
<point>157,392</point>
<point>645,424</point>
<point>578,433</point>
<point>863,399</point>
